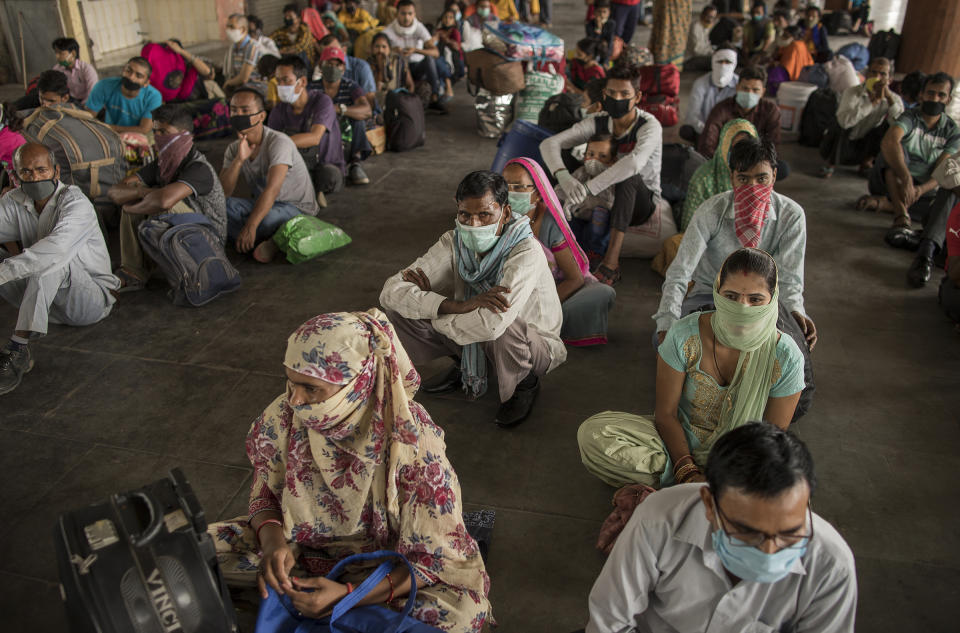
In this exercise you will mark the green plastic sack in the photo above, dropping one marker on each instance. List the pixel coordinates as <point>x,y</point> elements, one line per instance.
<point>304,237</point>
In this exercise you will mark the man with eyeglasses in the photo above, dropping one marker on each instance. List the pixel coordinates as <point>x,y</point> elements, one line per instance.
<point>743,553</point>
<point>63,273</point>
<point>483,292</point>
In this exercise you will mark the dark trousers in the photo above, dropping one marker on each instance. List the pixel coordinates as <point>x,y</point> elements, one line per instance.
<point>837,148</point>
<point>326,178</point>
<point>626,17</point>
<point>932,211</point>
<point>950,298</point>
<point>427,69</point>
<point>632,203</point>
<point>360,147</point>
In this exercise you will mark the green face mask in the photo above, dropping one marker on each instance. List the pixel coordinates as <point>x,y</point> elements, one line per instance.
<point>520,202</point>
<point>744,327</point>
<point>483,12</point>
<point>479,239</point>
<point>63,63</point>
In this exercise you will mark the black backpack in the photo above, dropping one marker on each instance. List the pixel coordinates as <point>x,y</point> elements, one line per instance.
<point>884,44</point>
<point>560,112</point>
<point>404,120</point>
<point>819,115</point>
<point>677,167</point>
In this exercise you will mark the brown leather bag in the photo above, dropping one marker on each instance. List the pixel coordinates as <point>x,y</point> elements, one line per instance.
<point>494,73</point>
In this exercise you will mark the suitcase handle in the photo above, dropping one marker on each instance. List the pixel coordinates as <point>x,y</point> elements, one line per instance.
<point>156,520</point>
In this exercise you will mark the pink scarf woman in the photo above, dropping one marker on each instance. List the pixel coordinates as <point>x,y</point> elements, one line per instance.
<point>550,202</point>
<point>585,303</point>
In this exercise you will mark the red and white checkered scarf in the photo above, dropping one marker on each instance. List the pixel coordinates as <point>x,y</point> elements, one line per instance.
<point>750,204</point>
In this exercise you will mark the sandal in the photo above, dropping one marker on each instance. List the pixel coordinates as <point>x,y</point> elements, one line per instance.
<point>128,282</point>
<point>825,172</point>
<point>868,203</point>
<point>607,275</point>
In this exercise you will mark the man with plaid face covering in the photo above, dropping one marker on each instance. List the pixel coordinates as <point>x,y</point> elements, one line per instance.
<point>751,215</point>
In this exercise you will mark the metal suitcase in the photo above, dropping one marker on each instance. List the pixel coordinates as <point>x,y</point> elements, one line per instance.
<point>142,562</point>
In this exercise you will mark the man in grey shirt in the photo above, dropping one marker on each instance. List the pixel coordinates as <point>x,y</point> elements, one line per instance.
<point>743,553</point>
<point>63,273</point>
<point>273,169</point>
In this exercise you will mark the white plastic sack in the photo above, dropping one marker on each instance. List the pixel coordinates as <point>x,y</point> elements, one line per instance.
<point>540,87</point>
<point>842,73</point>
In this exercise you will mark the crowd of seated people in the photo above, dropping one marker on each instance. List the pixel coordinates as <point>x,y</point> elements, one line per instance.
<point>709,500</point>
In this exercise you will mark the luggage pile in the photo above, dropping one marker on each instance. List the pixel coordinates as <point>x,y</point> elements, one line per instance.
<point>520,65</point>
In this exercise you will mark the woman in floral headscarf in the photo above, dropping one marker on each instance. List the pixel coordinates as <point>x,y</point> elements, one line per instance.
<point>345,462</point>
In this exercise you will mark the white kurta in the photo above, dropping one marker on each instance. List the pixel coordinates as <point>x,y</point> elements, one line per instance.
<point>533,297</point>
<point>63,275</point>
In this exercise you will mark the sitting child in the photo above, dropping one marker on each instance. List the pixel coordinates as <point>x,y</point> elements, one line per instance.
<point>584,66</point>
<point>590,220</point>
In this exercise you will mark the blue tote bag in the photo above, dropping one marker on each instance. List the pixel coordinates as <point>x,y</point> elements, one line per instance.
<point>277,614</point>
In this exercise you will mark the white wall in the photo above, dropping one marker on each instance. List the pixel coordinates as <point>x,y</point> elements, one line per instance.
<point>112,24</point>
<point>889,14</point>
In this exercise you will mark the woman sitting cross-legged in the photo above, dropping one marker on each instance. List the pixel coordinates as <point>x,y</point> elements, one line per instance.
<point>346,462</point>
<point>585,302</point>
<point>716,371</point>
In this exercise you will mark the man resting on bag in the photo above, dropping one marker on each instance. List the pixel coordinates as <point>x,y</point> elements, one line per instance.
<point>63,274</point>
<point>179,181</point>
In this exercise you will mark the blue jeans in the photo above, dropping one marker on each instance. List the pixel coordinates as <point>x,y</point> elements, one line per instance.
<point>239,209</point>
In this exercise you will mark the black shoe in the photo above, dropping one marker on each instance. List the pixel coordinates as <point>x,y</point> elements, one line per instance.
<point>446,383</point>
<point>518,407</point>
<point>919,273</point>
<point>902,237</point>
<point>14,363</point>
<point>439,107</point>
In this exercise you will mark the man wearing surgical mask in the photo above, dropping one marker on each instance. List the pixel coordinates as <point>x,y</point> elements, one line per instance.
<point>63,274</point>
<point>474,23</point>
<point>745,552</point>
<point>309,118</point>
<point>81,76</point>
<point>708,90</point>
<point>483,295</point>
<point>748,103</point>
<point>240,61</point>
<point>902,181</point>
<point>274,171</point>
<point>353,111</point>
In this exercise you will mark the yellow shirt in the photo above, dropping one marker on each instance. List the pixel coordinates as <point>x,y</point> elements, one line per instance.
<point>360,21</point>
<point>273,96</point>
<point>507,10</point>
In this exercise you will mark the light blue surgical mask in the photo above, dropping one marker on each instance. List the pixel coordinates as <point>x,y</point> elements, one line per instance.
<point>747,100</point>
<point>520,202</point>
<point>479,239</point>
<point>749,563</point>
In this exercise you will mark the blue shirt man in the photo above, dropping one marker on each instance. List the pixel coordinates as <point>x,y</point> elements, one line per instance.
<point>127,101</point>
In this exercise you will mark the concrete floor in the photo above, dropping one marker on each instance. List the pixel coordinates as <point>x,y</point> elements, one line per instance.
<point>116,405</point>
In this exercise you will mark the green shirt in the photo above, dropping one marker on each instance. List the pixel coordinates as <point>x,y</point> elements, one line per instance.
<point>922,145</point>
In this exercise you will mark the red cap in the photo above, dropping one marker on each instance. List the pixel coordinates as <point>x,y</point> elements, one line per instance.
<point>332,52</point>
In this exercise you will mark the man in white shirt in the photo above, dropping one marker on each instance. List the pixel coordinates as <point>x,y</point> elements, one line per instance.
<point>699,48</point>
<point>708,90</point>
<point>863,117</point>
<point>410,38</point>
<point>483,292</point>
<point>743,553</point>
<point>63,274</point>
<point>240,60</point>
<point>635,177</point>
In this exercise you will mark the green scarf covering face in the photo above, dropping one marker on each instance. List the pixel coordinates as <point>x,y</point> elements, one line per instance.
<point>752,330</point>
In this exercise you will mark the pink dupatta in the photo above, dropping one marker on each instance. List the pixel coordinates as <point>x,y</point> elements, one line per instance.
<point>552,203</point>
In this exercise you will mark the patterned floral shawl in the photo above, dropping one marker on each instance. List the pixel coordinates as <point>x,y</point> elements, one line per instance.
<point>714,176</point>
<point>366,469</point>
